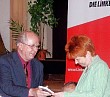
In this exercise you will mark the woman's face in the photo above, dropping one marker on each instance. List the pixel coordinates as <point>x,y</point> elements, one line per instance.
<point>84,61</point>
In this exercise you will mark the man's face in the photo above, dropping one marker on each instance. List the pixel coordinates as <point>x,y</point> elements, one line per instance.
<point>29,49</point>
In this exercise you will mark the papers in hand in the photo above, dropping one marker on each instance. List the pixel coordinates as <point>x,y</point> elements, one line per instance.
<point>46,89</point>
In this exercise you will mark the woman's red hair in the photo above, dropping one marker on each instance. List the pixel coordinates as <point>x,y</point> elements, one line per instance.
<point>78,46</point>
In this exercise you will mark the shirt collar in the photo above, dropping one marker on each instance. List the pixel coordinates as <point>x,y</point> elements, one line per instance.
<point>22,60</point>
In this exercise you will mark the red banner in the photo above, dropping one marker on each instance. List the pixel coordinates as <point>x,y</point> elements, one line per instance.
<point>94,25</point>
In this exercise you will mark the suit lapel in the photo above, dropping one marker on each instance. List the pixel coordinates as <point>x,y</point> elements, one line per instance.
<point>18,69</point>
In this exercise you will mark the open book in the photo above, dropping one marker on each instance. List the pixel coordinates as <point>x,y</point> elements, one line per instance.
<point>46,89</point>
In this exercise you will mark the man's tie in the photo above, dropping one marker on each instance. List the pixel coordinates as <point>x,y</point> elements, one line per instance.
<point>26,72</point>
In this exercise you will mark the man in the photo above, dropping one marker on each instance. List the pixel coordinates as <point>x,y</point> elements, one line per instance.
<point>16,79</point>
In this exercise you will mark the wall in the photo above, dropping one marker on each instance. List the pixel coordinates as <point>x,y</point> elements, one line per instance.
<point>4,19</point>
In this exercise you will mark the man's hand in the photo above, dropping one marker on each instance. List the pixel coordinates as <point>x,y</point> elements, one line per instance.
<point>36,92</point>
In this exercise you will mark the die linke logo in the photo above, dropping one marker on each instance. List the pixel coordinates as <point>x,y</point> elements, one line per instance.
<point>100,3</point>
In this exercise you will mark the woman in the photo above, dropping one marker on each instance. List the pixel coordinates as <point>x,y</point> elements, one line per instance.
<point>94,79</point>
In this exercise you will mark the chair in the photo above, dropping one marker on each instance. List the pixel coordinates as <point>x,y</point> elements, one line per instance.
<point>3,50</point>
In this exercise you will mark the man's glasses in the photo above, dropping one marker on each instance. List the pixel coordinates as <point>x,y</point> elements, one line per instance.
<point>32,46</point>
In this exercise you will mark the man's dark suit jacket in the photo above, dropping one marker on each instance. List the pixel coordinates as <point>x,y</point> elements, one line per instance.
<point>12,76</point>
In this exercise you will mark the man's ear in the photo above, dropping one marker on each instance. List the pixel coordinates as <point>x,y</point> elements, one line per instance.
<point>20,45</point>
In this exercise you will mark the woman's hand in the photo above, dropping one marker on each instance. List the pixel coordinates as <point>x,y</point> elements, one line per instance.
<point>58,94</point>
